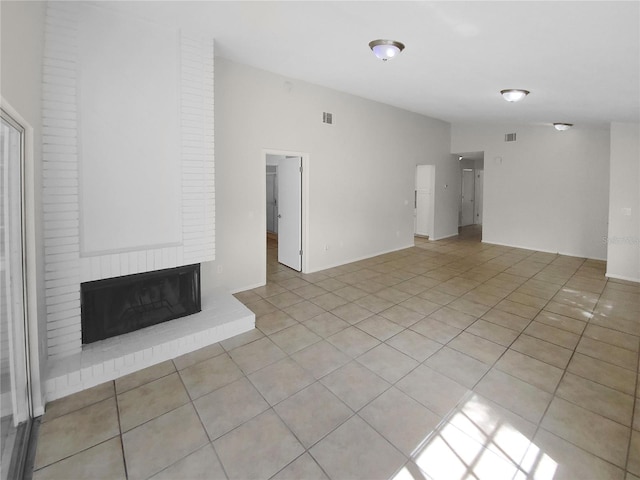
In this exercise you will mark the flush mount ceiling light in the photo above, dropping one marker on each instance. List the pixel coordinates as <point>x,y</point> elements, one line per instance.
<point>386,49</point>
<point>563,126</point>
<point>514,94</point>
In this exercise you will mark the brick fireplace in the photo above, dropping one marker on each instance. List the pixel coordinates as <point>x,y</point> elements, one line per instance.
<point>128,177</point>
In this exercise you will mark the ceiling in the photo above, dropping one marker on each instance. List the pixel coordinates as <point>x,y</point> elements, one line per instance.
<point>580,60</point>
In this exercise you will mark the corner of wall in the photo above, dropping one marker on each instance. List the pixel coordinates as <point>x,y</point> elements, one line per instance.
<point>623,237</point>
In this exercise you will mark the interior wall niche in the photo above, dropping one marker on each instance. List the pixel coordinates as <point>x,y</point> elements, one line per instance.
<point>128,154</point>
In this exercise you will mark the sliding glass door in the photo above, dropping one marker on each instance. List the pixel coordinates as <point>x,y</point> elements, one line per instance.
<point>15,398</point>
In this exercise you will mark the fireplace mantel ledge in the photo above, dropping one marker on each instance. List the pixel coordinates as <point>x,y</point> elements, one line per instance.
<point>222,317</point>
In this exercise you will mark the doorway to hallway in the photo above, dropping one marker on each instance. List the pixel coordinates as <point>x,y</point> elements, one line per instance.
<point>424,201</point>
<point>471,202</point>
<point>470,233</point>
<point>467,198</point>
<point>285,207</point>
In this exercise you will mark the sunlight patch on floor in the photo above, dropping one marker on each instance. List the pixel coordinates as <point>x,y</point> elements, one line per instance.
<point>477,442</point>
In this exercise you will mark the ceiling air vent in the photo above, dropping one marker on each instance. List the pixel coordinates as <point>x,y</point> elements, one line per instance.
<point>509,137</point>
<point>327,117</point>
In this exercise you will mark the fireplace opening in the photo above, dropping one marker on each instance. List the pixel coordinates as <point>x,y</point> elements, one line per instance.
<point>124,304</point>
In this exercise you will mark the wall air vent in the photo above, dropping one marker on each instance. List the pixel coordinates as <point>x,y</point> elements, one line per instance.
<point>509,137</point>
<point>327,117</point>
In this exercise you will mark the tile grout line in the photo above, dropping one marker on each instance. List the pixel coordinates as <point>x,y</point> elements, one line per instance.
<point>531,320</point>
<point>354,412</point>
<point>565,371</point>
<point>469,391</point>
<point>405,328</point>
<point>553,395</point>
<point>121,433</point>
<point>539,424</point>
<point>193,405</point>
<point>633,411</point>
<point>306,450</point>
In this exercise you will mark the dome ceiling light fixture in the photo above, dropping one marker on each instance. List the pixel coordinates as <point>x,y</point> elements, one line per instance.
<point>514,94</point>
<point>562,126</point>
<point>386,49</point>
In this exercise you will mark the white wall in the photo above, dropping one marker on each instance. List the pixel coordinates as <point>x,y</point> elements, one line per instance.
<point>547,191</point>
<point>447,196</point>
<point>623,240</point>
<point>22,32</point>
<point>476,164</point>
<point>361,171</point>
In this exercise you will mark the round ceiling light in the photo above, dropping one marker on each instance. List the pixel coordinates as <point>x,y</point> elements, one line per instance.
<point>385,49</point>
<point>562,126</point>
<point>514,94</point>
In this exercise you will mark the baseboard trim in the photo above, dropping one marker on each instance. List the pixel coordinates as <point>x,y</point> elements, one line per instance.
<point>532,249</point>
<point>444,237</point>
<point>622,277</point>
<point>365,257</point>
<point>250,287</point>
<point>521,247</point>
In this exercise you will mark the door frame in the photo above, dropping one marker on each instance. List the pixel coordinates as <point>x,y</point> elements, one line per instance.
<point>30,268</point>
<point>304,200</point>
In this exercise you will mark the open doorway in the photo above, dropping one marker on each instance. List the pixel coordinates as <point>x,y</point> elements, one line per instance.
<point>467,198</point>
<point>272,210</point>
<point>471,191</point>
<point>424,204</point>
<point>285,209</point>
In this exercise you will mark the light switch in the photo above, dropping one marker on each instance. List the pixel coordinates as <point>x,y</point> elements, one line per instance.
<point>626,211</point>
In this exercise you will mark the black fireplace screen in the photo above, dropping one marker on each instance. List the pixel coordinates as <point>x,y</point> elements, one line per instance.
<point>123,304</point>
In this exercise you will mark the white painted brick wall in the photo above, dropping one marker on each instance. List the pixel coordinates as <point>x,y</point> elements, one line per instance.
<point>198,189</point>
<point>60,180</point>
<point>65,269</point>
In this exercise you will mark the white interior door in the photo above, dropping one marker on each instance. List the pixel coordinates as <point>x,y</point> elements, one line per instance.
<point>425,175</point>
<point>290,212</point>
<point>467,197</point>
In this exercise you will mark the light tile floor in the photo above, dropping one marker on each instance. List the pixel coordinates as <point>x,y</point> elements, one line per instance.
<point>453,359</point>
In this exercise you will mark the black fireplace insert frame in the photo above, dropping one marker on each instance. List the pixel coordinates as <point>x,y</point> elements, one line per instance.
<point>119,305</point>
